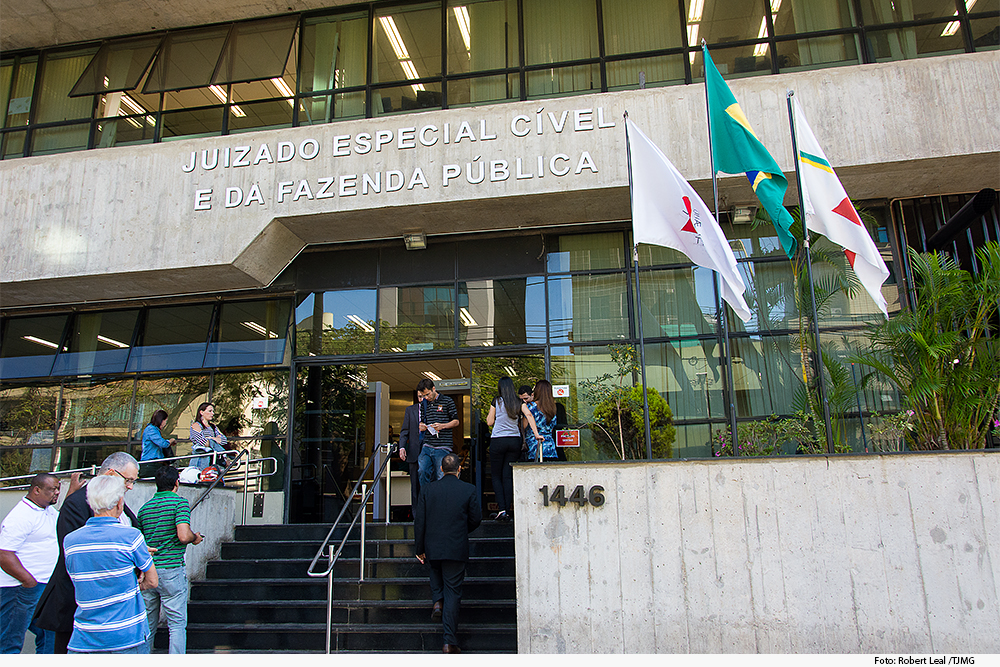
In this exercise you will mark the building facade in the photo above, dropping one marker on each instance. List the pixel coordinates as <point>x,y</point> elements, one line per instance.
<point>274,213</point>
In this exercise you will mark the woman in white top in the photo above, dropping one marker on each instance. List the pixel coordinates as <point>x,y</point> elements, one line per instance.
<point>505,445</point>
<point>205,436</point>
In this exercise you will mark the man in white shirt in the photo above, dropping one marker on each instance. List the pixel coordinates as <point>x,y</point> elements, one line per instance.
<point>28,553</point>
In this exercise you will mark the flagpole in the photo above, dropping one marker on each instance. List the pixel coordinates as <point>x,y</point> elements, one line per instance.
<point>638,306</point>
<point>728,385</point>
<point>818,368</point>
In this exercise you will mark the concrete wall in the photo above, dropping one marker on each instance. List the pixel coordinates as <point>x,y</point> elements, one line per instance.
<point>215,518</point>
<point>145,221</point>
<point>847,554</point>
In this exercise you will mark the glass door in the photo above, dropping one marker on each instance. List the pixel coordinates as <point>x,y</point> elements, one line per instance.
<point>332,443</point>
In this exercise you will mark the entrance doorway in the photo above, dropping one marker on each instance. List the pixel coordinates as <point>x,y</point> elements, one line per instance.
<point>339,409</point>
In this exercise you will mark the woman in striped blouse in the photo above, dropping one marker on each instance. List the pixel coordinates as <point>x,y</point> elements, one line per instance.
<point>205,436</point>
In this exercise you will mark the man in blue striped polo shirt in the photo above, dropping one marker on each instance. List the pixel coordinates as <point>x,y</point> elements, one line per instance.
<point>438,417</point>
<point>101,559</point>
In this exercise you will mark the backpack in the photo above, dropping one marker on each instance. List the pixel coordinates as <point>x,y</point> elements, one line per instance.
<point>210,474</point>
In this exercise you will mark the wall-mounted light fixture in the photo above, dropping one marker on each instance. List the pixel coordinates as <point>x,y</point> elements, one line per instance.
<point>742,214</point>
<point>415,241</point>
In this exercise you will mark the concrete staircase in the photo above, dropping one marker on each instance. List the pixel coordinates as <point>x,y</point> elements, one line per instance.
<point>257,597</point>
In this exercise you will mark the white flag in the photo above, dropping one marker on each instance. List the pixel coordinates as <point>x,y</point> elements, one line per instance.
<point>666,211</point>
<point>829,212</point>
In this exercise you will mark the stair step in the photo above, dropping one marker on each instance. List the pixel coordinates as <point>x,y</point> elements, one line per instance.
<point>411,588</point>
<point>385,548</point>
<point>318,531</point>
<point>288,568</point>
<point>256,612</point>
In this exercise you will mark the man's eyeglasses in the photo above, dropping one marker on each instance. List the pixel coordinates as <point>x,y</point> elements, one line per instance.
<point>129,481</point>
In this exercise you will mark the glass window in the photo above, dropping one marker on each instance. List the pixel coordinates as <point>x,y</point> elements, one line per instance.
<point>75,457</point>
<point>658,71</point>
<point>95,411</point>
<point>767,376</point>
<point>721,21</point>
<point>6,77</point>
<point>261,115</point>
<point>985,34</point>
<point>13,144</point>
<point>679,302</point>
<point>62,139</point>
<point>588,308</point>
<point>917,42</point>
<point>128,131</point>
<point>416,318</point>
<point>20,98</point>
<point>173,337</point>
<point>406,98</point>
<point>560,81</point>
<point>256,50</point>
<point>250,333</point>
<point>334,52</point>
<point>879,11</point>
<point>28,416</point>
<point>483,90</point>
<point>179,397</point>
<point>586,252</point>
<point>407,43</point>
<point>688,373</point>
<point>313,110</point>
<point>59,72</point>
<point>736,62</point>
<point>29,345</point>
<point>832,51</point>
<point>792,16</point>
<point>694,440</point>
<point>187,59</point>
<point>482,35</point>
<point>341,322</point>
<point>98,343</point>
<point>502,312</point>
<point>770,294</point>
<point>559,31</point>
<point>196,123</point>
<point>574,367</point>
<point>118,66</point>
<point>252,410</point>
<point>632,26</point>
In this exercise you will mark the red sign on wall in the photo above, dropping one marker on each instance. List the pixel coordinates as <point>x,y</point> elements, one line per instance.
<point>567,438</point>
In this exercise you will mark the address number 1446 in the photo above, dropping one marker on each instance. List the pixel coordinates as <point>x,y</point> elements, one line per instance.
<point>595,496</point>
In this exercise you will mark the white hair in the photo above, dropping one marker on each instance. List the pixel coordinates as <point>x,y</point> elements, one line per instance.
<point>119,461</point>
<point>104,492</point>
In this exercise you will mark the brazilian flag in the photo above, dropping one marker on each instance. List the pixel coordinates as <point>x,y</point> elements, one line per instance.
<point>737,150</point>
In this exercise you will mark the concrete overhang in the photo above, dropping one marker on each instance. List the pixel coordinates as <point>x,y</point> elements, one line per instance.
<point>149,221</point>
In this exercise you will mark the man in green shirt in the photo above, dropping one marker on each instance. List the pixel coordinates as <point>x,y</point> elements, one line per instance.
<point>165,522</point>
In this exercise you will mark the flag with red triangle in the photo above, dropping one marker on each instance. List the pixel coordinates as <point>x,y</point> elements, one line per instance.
<point>828,211</point>
<point>667,211</point>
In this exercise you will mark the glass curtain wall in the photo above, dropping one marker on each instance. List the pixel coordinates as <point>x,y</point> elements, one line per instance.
<point>314,68</point>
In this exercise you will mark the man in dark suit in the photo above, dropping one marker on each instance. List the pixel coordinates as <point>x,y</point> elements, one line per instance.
<point>57,605</point>
<point>447,511</point>
<point>411,439</point>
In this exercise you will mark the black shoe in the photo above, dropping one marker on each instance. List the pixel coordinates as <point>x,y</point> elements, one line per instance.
<point>451,648</point>
<point>436,612</point>
<point>501,516</point>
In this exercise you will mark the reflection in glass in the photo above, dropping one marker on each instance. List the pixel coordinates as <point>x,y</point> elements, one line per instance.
<point>767,376</point>
<point>693,440</point>
<point>334,52</point>
<point>688,374</point>
<point>75,457</point>
<point>416,318</point>
<point>173,337</point>
<point>588,308</point>
<point>407,43</point>
<point>406,98</point>
<point>719,21</point>
<point>178,396</point>
<point>502,312</point>
<point>586,252</point>
<point>770,294</point>
<point>95,410</point>
<point>482,35</point>
<point>250,333</point>
<point>28,415</point>
<point>559,31</point>
<point>875,11</point>
<point>29,345</point>
<point>678,302</point>
<point>341,322</point>
<point>98,343</point>
<point>916,42</point>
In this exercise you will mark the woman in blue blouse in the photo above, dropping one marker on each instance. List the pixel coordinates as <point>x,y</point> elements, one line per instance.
<point>205,436</point>
<point>541,414</point>
<point>154,445</point>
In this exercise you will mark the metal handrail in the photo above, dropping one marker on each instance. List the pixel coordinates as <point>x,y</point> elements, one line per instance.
<point>92,469</point>
<point>221,476</point>
<point>367,493</point>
